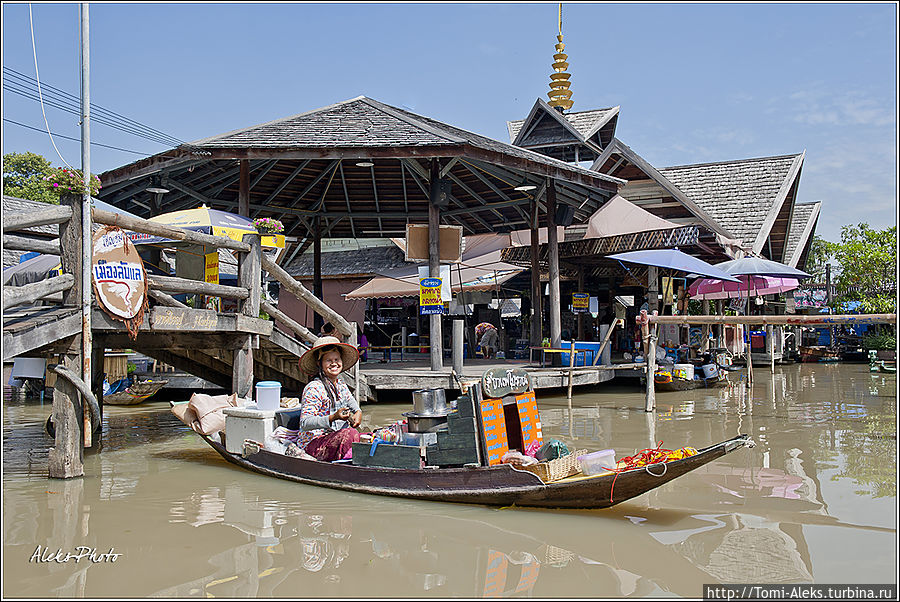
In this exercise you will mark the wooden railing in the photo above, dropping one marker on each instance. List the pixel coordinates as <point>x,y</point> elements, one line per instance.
<point>16,222</point>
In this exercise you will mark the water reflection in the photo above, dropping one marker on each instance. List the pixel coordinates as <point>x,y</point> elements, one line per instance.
<point>816,498</point>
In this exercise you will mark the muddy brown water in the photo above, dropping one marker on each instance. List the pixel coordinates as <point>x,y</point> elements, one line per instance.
<point>814,501</point>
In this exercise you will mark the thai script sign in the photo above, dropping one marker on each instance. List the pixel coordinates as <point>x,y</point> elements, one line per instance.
<point>809,298</point>
<point>498,382</point>
<point>580,302</point>
<point>430,296</point>
<point>118,274</point>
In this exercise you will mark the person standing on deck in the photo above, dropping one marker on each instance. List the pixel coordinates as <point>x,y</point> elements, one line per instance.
<point>329,414</point>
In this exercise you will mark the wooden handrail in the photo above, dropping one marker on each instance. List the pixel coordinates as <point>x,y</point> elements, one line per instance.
<point>306,335</point>
<point>30,243</point>
<point>777,320</point>
<point>29,293</point>
<point>144,226</point>
<point>183,285</point>
<point>297,289</point>
<point>52,214</point>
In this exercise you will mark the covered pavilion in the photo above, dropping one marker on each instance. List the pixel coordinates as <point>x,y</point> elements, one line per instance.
<point>362,168</point>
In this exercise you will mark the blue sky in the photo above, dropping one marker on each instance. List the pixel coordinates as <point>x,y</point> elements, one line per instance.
<point>695,82</point>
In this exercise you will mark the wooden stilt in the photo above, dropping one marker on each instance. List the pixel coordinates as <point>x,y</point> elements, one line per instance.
<point>571,367</point>
<point>67,455</point>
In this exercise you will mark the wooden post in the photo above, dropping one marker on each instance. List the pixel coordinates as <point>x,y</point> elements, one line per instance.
<point>553,248</point>
<point>435,335</point>
<point>317,270</point>
<point>580,325</point>
<point>249,277</point>
<point>459,328</point>
<point>353,340</point>
<point>652,288</point>
<point>749,354</point>
<point>720,329</point>
<point>98,351</point>
<point>770,343</point>
<point>704,343</point>
<point>244,189</point>
<point>571,368</point>
<point>537,315</point>
<point>66,458</point>
<point>650,403</point>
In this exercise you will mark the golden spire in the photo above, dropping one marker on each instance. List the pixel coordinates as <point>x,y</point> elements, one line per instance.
<point>560,95</point>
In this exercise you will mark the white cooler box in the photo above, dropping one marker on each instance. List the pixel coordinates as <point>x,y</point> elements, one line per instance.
<point>247,423</point>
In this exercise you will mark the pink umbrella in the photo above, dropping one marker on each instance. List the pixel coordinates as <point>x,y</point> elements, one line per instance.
<point>708,288</point>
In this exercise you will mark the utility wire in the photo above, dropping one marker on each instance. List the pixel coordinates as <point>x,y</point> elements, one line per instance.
<point>38,79</point>
<point>76,110</point>
<point>71,138</point>
<point>28,81</point>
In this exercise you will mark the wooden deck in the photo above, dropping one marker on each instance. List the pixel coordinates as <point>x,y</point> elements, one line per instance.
<point>412,374</point>
<point>30,329</point>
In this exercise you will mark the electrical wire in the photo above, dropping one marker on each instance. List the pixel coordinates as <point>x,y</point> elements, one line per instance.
<point>26,80</point>
<point>38,79</point>
<point>68,106</point>
<point>30,127</point>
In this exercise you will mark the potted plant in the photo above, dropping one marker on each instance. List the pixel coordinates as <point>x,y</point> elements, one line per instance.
<point>62,181</point>
<point>267,225</point>
<point>883,342</point>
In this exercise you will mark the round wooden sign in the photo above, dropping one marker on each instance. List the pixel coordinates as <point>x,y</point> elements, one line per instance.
<point>118,274</point>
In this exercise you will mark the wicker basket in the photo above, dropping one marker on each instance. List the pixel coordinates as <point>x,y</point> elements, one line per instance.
<point>560,468</point>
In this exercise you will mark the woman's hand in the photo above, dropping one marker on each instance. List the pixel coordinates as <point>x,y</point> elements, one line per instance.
<point>356,418</point>
<point>339,414</point>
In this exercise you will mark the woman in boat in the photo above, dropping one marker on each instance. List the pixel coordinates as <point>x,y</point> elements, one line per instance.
<point>329,415</point>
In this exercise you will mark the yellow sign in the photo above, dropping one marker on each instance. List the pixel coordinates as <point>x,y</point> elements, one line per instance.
<point>667,293</point>
<point>430,296</point>
<point>211,275</point>
<point>212,268</point>
<point>580,302</point>
<point>272,241</point>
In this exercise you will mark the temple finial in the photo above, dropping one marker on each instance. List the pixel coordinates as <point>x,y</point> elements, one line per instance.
<point>560,95</point>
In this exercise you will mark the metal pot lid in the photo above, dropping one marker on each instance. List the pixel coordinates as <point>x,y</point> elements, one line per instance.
<point>415,415</point>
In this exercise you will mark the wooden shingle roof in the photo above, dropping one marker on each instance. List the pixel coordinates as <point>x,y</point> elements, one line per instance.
<point>745,196</point>
<point>803,226</point>
<point>304,170</point>
<point>358,262</point>
<point>583,122</point>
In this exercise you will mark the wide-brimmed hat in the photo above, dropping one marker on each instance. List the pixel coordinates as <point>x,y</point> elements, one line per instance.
<point>309,361</point>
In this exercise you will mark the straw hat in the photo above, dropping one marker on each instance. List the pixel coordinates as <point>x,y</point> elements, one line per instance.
<point>309,361</point>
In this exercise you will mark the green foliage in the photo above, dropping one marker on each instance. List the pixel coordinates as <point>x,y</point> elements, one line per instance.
<point>867,263</point>
<point>23,177</point>
<point>820,252</point>
<point>131,367</point>
<point>63,180</point>
<point>884,339</point>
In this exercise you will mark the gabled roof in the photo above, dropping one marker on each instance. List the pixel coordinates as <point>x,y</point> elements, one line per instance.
<point>744,196</point>
<point>617,147</point>
<point>583,124</point>
<point>803,225</point>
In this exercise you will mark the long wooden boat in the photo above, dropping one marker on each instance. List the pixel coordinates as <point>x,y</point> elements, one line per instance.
<point>135,393</point>
<point>683,384</point>
<point>500,485</point>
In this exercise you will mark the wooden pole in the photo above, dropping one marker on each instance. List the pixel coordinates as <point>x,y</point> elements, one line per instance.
<point>249,277</point>
<point>53,214</point>
<point>434,266</point>
<point>317,269</point>
<point>650,403</point>
<point>244,189</point>
<point>553,248</point>
<point>66,458</point>
<point>704,343</point>
<point>537,315</point>
<point>770,343</point>
<point>459,327</point>
<point>605,341</point>
<point>571,367</point>
<point>138,224</point>
<point>652,288</point>
<point>783,319</point>
<point>580,325</point>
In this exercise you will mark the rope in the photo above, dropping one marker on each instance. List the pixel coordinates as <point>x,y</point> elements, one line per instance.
<point>648,457</point>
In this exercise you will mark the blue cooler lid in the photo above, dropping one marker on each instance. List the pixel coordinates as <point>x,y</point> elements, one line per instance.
<point>266,384</point>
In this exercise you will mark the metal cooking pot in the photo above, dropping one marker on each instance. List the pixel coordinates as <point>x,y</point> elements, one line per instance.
<point>416,423</point>
<point>430,402</point>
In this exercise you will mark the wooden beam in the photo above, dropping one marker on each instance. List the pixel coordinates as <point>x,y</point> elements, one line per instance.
<point>29,293</point>
<point>306,335</point>
<point>51,214</point>
<point>14,242</point>
<point>244,189</point>
<point>165,299</point>
<point>854,319</point>
<point>148,227</point>
<point>183,285</point>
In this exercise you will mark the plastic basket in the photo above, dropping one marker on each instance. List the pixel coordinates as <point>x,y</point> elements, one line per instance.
<point>560,468</point>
